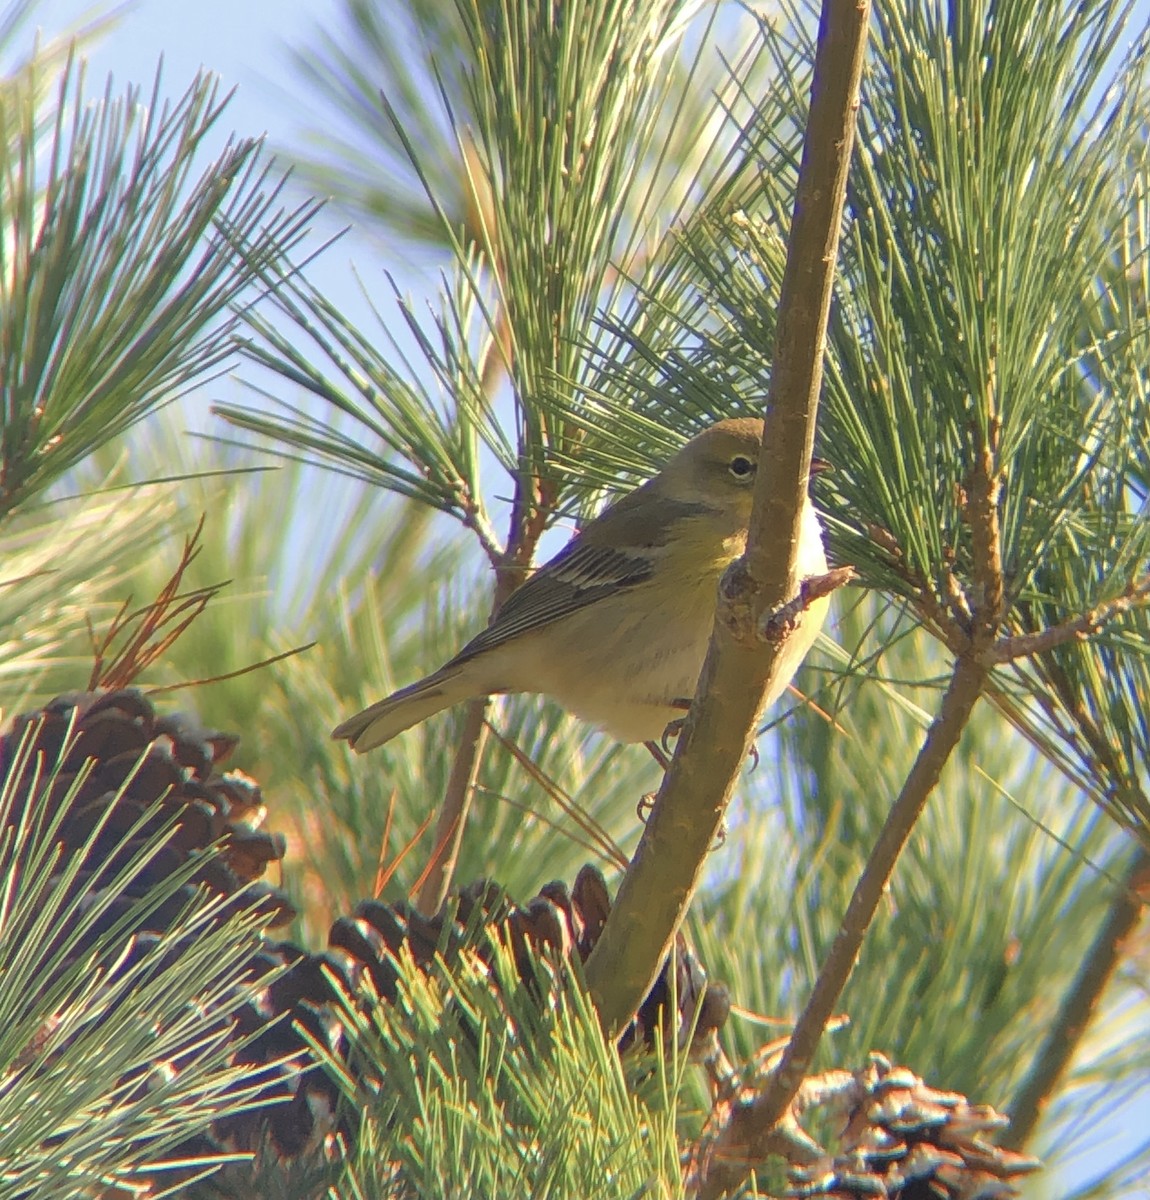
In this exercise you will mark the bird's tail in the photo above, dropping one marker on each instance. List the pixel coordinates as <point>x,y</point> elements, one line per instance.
<point>381,721</point>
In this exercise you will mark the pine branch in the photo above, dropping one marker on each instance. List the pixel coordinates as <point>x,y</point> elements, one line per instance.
<point>750,1135</point>
<point>453,811</point>
<point>1025,645</point>
<point>1079,1004</point>
<point>689,808</point>
<point>531,511</point>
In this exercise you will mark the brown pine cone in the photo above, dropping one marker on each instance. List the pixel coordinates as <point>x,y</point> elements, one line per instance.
<point>368,944</point>
<point>905,1139</point>
<point>142,771</point>
<point>111,772</point>
<point>105,776</point>
<point>557,922</point>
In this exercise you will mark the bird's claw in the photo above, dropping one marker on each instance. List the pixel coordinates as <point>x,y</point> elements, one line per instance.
<point>674,728</point>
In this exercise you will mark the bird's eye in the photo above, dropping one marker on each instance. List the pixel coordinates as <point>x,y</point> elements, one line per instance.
<point>741,467</point>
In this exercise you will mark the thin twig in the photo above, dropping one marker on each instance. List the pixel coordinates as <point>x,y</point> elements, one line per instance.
<point>386,872</point>
<point>435,882</point>
<point>381,876</point>
<point>1026,645</point>
<point>534,502</point>
<point>750,1135</point>
<point>1078,1005</point>
<point>599,841</point>
<point>609,858</point>
<point>778,624</point>
<point>148,632</point>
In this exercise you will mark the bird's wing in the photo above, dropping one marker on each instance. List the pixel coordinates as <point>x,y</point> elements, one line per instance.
<point>585,570</point>
<point>579,575</point>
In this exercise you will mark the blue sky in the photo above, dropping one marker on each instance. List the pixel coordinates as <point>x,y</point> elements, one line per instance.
<point>247,43</point>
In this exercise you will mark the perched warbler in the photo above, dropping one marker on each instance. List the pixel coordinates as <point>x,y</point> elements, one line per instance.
<point>615,627</point>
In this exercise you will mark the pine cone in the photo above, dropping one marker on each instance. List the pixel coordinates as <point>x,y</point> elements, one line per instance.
<point>557,922</point>
<point>110,774</point>
<point>142,771</point>
<point>368,944</point>
<point>904,1139</point>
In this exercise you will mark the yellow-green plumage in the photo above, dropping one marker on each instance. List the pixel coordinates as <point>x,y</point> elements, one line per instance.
<point>615,627</point>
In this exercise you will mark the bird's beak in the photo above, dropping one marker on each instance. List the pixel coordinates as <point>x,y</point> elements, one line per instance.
<point>819,465</point>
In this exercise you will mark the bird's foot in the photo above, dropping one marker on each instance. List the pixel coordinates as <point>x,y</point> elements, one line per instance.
<point>674,728</point>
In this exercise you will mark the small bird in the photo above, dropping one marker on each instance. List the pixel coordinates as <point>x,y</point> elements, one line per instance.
<point>616,626</point>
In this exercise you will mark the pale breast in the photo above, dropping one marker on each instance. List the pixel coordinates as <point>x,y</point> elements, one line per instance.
<point>621,665</point>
